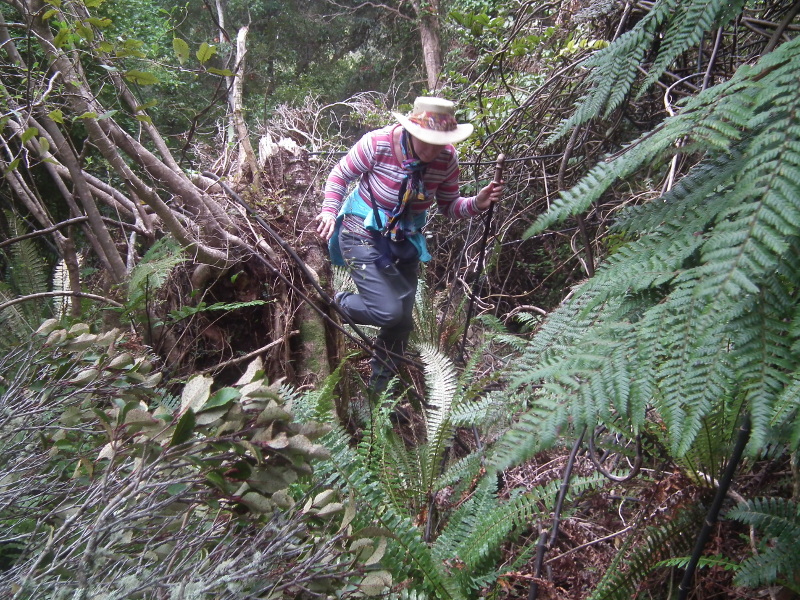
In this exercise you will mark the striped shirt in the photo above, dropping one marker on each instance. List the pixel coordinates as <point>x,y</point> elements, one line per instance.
<point>374,155</point>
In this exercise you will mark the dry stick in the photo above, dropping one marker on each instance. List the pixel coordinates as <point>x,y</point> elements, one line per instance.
<point>498,177</point>
<point>776,36</point>
<point>544,542</point>
<point>39,232</point>
<point>589,264</point>
<point>716,505</point>
<point>364,343</point>
<point>5,305</point>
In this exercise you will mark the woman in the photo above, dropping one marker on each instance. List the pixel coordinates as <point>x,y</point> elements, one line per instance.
<point>403,169</point>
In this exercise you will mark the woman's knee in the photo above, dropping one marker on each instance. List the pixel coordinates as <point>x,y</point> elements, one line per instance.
<point>387,313</point>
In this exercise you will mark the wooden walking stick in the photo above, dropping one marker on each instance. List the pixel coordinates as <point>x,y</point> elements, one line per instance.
<point>498,178</point>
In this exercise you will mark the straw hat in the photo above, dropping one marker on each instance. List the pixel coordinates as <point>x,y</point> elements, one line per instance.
<point>433,121</point>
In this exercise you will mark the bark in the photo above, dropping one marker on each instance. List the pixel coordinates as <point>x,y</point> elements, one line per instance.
<point>429,18</point>
<point>246,154</point>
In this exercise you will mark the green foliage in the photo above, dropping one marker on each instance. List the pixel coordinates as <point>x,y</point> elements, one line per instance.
<point>105,492</point>
<point>152,271</point>
<point>444,521</point>
<point>778,520</point>
<point>652,547</point>
<point>690,315</point>
<point>678,25</point>
<point>25,273</point>
<point>189,311</point>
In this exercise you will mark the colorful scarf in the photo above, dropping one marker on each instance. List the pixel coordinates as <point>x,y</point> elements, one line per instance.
<point>412,188</point>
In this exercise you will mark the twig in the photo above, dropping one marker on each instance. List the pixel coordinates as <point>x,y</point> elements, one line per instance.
<point>5,305</point>
<point>610,536</point>
<point>45,231</point>
<point>248,356</point>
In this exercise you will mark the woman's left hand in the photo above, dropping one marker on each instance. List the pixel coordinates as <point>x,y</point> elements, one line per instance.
<point>491,193</point>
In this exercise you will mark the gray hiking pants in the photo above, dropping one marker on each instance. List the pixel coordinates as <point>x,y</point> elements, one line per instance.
<point>385,299</point>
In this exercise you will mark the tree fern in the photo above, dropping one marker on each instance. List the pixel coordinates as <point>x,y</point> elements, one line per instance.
<point>724,119</point>
<point>690,315</point>
<point>778,519</point>
<point>614,69</point>
<point>687,25</point>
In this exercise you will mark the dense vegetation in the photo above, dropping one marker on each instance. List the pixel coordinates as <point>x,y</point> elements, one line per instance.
<point>182,414</point>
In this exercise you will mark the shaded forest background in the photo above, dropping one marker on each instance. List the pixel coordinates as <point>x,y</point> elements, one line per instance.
<point>604,398</point>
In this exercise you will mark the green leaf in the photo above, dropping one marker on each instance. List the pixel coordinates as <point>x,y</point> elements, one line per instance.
<point>144,119</point>
<point>57,116</point>
<point>29,134</point>
<point>376,582</point>
<point>61,37</point>
<point>44,144</point>
<point>108,114</point>
<point>177,488</point>
<point>141,77</point>
<point>184,429</point>
<point>87,115</point>
<point>12,166</point>
<point>217,480</point>
<point>85,32</point>
<point>181,49</point>
<point>205,52</point>
<point>221,397</point>
<point>100,23</point>
<point>222,72</point>
<point>49,14</point>
<point>146,105</point>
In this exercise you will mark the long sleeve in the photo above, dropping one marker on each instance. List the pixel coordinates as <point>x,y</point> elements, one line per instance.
<point>374,156</point>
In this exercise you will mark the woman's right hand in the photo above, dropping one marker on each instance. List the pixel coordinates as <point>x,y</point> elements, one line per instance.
<point>326,223</point>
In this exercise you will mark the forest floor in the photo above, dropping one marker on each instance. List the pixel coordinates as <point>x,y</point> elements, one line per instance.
<point>595,525</point>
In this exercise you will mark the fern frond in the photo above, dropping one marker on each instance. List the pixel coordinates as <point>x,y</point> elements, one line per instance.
<point>407,555</point>
<point>441,382</point>
<point>538,428</point>
<point>614,69</point>
<point>27,272</point>
<point>777,518</point>
<point>455,547</point>
<point>426,327</point>
<point>151,272</point>
<point>688,24</point>
<point>12,320</point>
<point>712,121</point>
<point>61,284</point>
<point>787,407</point>
<point>400,469</point>
<point>666,233</point>
<point>641,553</point>
<point>705,561</point>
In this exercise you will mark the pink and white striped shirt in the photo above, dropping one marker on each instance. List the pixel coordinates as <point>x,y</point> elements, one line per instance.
<point>374,155</point>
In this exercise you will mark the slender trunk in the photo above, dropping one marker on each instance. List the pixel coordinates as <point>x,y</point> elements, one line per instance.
<point>428,15</point>
<point>246,154</point>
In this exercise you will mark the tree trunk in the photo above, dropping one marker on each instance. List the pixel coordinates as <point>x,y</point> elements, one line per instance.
<point>246,154</point>
<point>429,17</point>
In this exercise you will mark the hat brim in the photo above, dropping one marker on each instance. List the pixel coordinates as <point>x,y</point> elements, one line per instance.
<point>437,138</point>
